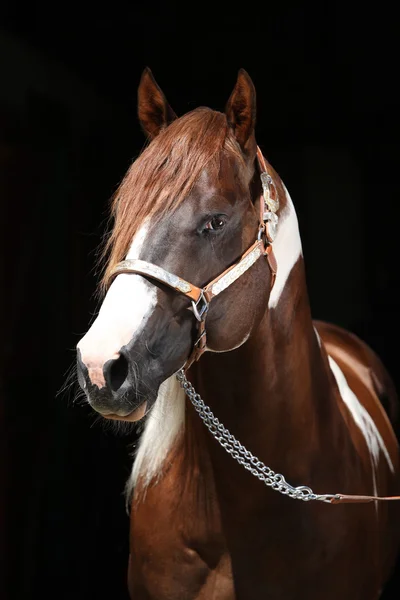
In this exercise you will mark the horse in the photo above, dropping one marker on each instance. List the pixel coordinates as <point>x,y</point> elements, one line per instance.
<point>205,338</point>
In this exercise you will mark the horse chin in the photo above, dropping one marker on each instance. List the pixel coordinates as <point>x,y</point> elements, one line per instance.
<point>136,415</point>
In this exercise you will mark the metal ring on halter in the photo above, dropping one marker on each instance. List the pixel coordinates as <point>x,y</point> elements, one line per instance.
<point>200,307</point>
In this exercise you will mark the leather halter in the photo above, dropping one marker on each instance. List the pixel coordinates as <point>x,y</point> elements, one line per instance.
<point>201,297</point>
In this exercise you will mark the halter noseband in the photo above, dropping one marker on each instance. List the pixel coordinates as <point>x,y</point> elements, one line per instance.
<point>201,297</point>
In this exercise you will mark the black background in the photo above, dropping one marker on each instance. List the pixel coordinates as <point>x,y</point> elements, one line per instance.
<point>327,84</point>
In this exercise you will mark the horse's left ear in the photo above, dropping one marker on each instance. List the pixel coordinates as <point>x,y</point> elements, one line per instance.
<point>241,110</point>
<point>153,109</point>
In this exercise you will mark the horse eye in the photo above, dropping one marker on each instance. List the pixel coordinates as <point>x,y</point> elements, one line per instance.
<point>215,224</point>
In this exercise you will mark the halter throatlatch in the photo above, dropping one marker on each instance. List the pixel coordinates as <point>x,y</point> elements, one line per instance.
<point>201,297</point>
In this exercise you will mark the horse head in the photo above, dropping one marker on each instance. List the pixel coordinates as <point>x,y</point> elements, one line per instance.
<point>188,205</point>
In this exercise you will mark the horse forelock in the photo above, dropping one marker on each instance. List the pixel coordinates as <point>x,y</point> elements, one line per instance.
<point>164,174</point>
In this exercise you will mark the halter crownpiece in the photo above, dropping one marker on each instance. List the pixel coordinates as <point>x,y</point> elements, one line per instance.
<point>201,297</point>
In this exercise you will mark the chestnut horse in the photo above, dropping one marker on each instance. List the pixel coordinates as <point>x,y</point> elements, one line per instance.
<point>205,336</point>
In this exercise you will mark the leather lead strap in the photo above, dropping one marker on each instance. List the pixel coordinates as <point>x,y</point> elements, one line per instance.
<point>347,499</point>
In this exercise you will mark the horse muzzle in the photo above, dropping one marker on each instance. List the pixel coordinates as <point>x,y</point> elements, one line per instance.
<point>114,392</point>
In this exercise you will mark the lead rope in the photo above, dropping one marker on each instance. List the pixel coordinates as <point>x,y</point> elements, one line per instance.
<point>244,457</point>
<point>251,463</point>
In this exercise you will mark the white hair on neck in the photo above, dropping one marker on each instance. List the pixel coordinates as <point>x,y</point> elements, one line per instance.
<point>287,248</point>
<point>164,423</point>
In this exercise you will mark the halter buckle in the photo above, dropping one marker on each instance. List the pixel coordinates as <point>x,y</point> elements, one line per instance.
<point>268,184</point>
<point>200,307</point>
<point>261,231</point>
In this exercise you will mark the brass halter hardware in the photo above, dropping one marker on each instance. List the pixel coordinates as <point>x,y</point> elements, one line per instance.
<point>201,297</point>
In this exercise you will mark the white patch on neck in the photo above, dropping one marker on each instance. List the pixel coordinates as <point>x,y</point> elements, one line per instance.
<point>126,308</point>
<point>164,423</point>
<point>287,249</point>
<point>364,421</point>
<point>362,418</point>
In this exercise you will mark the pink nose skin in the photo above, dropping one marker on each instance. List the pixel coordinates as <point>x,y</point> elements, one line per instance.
<point>96,376</point>
<point>95,366</point>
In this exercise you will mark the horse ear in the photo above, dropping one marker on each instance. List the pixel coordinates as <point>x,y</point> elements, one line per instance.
<point>153,109</point>
<point>241,109</point>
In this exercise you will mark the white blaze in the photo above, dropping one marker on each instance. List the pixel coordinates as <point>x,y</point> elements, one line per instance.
<point>138,241</point>
<point>126,308</point>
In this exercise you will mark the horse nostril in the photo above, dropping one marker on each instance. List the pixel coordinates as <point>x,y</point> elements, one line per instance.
<point>116,372</point>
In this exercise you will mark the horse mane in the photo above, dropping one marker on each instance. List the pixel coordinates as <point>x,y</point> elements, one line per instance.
<point>164,174</point>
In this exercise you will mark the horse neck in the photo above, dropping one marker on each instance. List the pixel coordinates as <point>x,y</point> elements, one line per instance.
<point>273,392</point>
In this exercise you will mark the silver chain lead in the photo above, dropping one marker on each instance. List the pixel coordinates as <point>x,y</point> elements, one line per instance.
<point>244,457</point>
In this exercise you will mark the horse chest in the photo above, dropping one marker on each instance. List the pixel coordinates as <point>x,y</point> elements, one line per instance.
<point>177,549</point>
<point>180,551</point>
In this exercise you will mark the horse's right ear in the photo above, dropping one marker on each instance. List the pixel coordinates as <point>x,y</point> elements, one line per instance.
<point>241,110</point>
<point>153,109</point>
